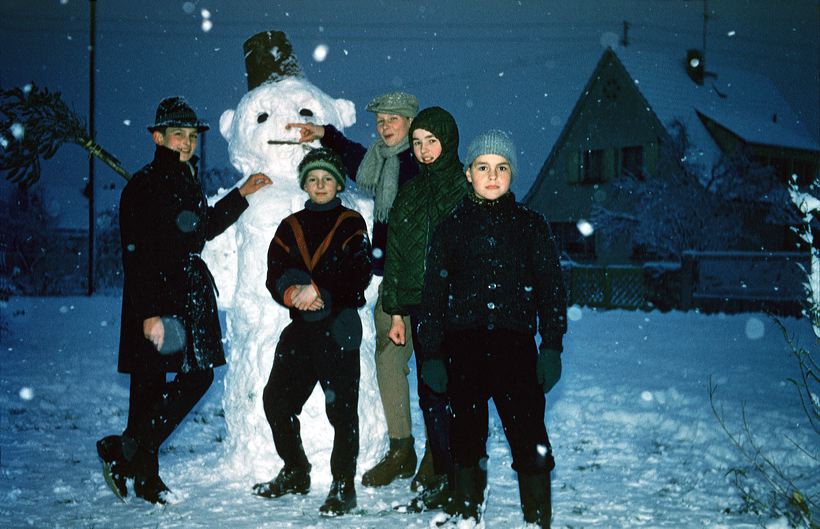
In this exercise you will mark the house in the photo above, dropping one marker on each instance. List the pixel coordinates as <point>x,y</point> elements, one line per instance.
<point>624,113</point>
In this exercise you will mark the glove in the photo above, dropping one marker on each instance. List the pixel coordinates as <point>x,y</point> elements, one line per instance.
<point>548,368</point>
<point>434,374</point>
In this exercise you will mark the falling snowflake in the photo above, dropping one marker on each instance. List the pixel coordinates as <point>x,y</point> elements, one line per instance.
<point>320,53</point>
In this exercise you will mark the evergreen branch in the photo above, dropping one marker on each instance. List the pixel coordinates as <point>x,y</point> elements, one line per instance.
<point>40,123</point>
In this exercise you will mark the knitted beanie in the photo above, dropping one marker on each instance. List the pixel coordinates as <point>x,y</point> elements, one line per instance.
<point>322,159</point>
<point>400,103</point>
<point>176,112</point>
<point>493,142</point>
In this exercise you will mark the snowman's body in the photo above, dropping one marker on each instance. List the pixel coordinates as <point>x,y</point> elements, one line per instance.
<point>259,142</point>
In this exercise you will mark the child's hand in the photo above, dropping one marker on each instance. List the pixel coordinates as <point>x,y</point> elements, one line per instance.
<point>254,183</point>
<point>307,131</point>
<point>304,297</point>
<point>397,330</point>
<point>154,331</point>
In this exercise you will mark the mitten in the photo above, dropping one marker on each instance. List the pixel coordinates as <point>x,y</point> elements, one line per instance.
<point>434,374</point>
<point>548,368</point>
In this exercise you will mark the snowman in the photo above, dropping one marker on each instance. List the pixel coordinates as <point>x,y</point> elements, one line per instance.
<point>259,142</point>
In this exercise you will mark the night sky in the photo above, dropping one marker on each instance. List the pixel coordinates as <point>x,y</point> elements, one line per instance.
<point>492,64</point>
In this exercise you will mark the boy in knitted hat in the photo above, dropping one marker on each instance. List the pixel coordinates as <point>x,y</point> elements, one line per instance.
<point>169,313</point>
<point>383,169</point>
<point>318,267</point>
<point>487,290</point>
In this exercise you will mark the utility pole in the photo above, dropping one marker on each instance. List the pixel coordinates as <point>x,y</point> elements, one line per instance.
<point>625,38</point>
<point>90,187</point>
<point>705,21</point>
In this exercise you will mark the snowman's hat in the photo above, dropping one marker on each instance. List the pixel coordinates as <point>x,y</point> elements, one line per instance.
<point>269,57</point>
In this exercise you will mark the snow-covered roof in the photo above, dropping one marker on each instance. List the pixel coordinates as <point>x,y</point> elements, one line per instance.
<point>746,103</point>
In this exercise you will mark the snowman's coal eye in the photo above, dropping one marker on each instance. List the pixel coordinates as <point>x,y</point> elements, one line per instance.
<point>306,112</point>
<point>261,118</point>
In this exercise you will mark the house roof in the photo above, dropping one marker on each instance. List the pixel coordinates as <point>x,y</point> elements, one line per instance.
<point>746,103</point>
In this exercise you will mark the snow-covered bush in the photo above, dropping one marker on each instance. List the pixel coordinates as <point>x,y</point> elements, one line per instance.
<point>767,486</point>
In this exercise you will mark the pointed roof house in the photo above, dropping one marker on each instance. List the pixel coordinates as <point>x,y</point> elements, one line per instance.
<point>625,110</point>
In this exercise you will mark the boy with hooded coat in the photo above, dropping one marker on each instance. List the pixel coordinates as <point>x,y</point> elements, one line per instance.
<point>418,209</point>
<point>318,266</point>
<point>492,279</point>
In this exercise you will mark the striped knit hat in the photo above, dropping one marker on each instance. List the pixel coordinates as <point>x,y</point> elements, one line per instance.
<point>322,159</point>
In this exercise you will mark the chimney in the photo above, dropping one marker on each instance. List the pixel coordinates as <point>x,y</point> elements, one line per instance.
<point>695,66</point>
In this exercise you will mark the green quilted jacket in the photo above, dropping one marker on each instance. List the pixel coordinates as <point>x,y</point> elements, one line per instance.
<point>419,207</point>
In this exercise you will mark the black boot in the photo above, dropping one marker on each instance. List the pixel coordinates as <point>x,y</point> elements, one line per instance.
<point>115,467</point>
<point>435,496</point>
<point>468,493</point>
<point>536,498</point>
<point>341,499</point>
<point>399,462</point>
<point>290,480</point>
<point>144,463</point>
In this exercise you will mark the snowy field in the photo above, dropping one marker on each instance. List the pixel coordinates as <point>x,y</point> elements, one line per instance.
<point>635,440</point>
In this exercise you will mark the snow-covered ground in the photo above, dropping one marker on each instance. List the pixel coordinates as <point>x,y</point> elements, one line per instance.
<point>635,440</point>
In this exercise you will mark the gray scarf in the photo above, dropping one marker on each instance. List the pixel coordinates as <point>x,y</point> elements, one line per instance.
<point>379,174</point>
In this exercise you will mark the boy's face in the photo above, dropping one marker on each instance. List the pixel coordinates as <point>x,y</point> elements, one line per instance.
<point>392,128</point>
<point>426,147</point>
<point>490,176</point>
<point>180,139</point>
<point>320,186</point>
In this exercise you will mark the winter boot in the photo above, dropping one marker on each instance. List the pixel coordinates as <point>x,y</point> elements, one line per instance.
<point>536,498</point>
<point>144,463</point>
<point>468,493</point>
<point>399,462</point>
<point>426,472</point>
<point>434,497</point>
<point>341,499</point>
<point>115,467</point>
<point>290,480</point>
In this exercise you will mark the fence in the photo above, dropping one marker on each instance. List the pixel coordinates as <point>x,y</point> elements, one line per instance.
<point>706,281</point>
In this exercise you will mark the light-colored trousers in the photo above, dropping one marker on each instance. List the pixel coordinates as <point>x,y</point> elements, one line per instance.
<point>391,374</point>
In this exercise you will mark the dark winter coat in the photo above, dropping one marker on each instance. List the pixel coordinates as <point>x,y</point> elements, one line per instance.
<point>327,245</point>
<point>352,154</point>
<point>493,264</point>
<point>419,207</point>
<point>164,223</point>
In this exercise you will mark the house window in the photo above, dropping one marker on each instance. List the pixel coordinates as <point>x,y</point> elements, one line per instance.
<point>591,169</point>
<point>632,160</point>
<point>572,243</point>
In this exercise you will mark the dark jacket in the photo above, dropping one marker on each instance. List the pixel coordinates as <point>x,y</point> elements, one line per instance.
<point>328,246</point>
<point>352,154</point>
<point>164,223</point>
<point>418,209</point>
<point>493,264</point>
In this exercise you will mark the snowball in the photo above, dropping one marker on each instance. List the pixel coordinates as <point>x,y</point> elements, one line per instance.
<point>585,228</point>
<point>320,53</point>
<point>754,329</point>
<point>26,393</point>
<point>574,313</point>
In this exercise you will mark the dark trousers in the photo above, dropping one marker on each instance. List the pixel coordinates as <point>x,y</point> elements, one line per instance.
<point>498,365</point>
<point>308,353</point>
<point>435,408</point>
<point>156,407</point>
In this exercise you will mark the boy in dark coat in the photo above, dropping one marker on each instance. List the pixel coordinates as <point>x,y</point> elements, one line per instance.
<point>169,315</point>
<point>382,170</point>
<point>492,279</point>
<point>318,266</point>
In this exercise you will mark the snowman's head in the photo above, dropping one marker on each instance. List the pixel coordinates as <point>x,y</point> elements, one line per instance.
<point>258,140</point>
